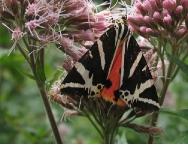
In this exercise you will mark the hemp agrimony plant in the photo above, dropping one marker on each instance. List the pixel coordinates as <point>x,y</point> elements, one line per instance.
<point>164,23</point>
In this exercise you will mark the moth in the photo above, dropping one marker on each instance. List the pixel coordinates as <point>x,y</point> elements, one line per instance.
<point>114,69</point>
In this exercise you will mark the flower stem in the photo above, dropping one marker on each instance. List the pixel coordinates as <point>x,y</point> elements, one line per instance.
<point>109,130</point>
<point>41,86</point>
<point>94,124</point>
<point>43,93</point>
<point>108,136</point>
<point>163,93</point>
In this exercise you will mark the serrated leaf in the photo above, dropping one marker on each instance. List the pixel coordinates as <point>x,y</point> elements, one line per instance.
<point>183,66</point>
<point>183,113</point>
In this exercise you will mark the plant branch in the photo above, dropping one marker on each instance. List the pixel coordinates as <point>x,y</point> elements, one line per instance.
<point>166,83</point>
<point>41,86</point>
<point>43,93</point>
<point>144,129</point>
<point>23,53</point>
<point>93,123</point>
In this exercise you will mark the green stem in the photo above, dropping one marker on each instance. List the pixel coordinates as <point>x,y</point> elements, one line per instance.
<point>93,123</point>
<point>53,124</point>
<point>42,89</point>
<point>106,136</point>
<point>41,85</point>
<point>113,134</point>
<point>167,81</point>
<point>110,127</point>
<point>156,114</point>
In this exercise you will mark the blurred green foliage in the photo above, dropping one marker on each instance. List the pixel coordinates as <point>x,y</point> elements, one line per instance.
<point>23,118</point>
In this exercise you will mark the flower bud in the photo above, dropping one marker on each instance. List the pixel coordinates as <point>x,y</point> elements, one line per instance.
<point>31,9</point>
<point>184,3</point>
<point>17,34</point>
<point>149,31</point>
<point>140,8</point>
<point>147,6</point>
<point>143,29</point>
<point>147,19</point>
<point>170,5</point>
<point>31,25</point>
<point>167,20</point>
<point>52,18</point>
<point>179,9</point>
<point>157,16</point>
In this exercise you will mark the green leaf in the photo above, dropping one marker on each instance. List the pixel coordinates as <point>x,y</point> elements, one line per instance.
<point>183,113</point>
<point>40,68</point>
<point>5,41</point>
<point>183,66</point>
<point>13,64</point>
<point>40,72</point>
<point>56,76</point>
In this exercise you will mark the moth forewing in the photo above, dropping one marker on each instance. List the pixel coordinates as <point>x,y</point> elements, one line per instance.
<point>131,87</point>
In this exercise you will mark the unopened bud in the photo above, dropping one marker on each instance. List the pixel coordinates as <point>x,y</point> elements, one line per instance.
<point>179,9</point>
<point>170,5</point>
<point>184,3</point>
<point>167,20</point>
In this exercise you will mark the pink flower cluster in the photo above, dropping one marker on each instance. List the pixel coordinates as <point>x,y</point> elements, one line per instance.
<point>78,17</point>
<point>70,24</point>
<point>85,23</point>
<point>66,22</point>
<point>160,18</point>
